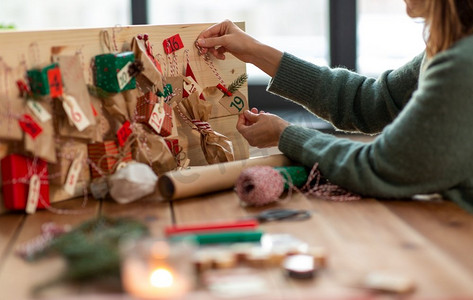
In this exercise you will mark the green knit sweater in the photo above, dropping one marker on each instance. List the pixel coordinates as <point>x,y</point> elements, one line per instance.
<point>425,121</point>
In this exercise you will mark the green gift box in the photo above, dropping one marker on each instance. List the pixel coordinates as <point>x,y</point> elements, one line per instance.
<point>110,72</point>
<point>45,81</point>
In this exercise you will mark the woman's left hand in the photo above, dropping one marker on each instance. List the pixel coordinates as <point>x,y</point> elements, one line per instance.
<point>261,129</point>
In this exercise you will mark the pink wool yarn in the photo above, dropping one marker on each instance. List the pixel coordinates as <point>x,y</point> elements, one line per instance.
<point>259,185</point>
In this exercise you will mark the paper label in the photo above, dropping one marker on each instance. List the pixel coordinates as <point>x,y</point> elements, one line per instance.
<point>172,44</point>
<point>191,86</point>
<point>75,113</point>
<point>123,133</point>
<point>73,174</point>
<point>28,124</point>
<point>33,194</point>
<point>39,111</point>
<point>156,119</point>
<point>55,82</point>
<point>123,77</point>
<point>234,104</point>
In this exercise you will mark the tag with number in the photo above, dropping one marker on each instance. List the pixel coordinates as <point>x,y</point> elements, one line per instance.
<point>156,119</point>
<point>123,76</point>
<point>235,104</point>
<point>73,175</point>
<point>28,124</point>
<point>33,194</point>
<point>55,82</point>
<point>172,44</point>
<point>123,133</point>
<point>75,113</point>
<point>39,111</point>
<point>191,86</point>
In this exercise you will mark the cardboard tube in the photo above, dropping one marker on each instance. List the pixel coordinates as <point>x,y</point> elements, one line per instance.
<point>206,179</point>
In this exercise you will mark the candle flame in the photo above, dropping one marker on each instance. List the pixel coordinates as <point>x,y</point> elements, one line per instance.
<point>161,278</point>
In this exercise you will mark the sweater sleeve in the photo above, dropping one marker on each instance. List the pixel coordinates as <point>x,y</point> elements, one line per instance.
<point>349,101</point>
<point>426,149</point>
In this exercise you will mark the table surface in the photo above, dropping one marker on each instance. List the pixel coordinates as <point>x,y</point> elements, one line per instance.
<point>428,241</point>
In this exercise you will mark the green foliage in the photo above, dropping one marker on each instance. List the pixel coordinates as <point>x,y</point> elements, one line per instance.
<point>238,83</point>
<point>6,26</point>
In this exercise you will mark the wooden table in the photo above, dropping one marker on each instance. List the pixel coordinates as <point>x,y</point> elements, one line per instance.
<point>431,242</point>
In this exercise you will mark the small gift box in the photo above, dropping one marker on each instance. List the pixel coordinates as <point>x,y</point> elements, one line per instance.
<point>105,157</point>
<point>144,107</point>
<point>46,81</point>
<point>17,170</point>
<point>111,72</point>
<point>166,129</point>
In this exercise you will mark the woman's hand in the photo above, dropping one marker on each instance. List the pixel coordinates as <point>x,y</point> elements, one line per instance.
<point>261,129</point>
<point>227,37</point>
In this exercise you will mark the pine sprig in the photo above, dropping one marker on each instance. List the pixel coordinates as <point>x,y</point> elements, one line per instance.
<point>238,83</point>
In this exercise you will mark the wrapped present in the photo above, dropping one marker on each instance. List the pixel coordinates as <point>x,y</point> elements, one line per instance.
<point>17,170</point>
<point>144,107</point>
<point>67,151</point>
<point>111,72</point>
<point>105,157</point>
<point>46,81</point>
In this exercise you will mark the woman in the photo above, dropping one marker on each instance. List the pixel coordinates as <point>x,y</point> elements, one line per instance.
<point>423,110</point>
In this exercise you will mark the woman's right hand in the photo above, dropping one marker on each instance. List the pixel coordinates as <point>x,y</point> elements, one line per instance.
<point>227,37</point>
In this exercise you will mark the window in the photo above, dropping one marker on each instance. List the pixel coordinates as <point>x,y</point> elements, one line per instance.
<point>387,37</point>
<point>44,14</point>
<point>296,27</point>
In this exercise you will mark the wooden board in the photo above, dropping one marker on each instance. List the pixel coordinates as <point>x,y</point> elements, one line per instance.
<point>22,50</point>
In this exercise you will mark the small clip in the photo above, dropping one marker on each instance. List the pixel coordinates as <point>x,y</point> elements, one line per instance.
<point>224,90</point>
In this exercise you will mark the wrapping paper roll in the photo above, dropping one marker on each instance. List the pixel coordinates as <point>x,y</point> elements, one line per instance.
<point>201,180</point>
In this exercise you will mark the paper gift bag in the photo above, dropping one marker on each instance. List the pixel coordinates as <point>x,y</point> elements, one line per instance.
<point>151,77</point>
<point>67,151</point>
<point>17,170</point>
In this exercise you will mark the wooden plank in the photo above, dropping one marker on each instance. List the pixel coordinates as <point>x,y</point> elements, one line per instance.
<point>18,277</point>
<point>444,223</point>
<point>9,225</point>
<point>155,214</point>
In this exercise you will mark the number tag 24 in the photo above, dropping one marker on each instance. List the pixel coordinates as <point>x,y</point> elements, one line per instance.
<point>235,104</point>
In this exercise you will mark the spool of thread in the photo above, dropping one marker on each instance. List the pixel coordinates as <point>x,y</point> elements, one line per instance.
<point>262,185</point>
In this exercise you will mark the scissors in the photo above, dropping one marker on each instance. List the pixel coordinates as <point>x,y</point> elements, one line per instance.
<point>280,214</point>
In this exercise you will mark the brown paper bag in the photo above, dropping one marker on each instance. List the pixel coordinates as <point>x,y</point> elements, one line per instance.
<point>43,145</point>
<point>150,77</point>
<point>67,151</point>
<point>11,108</point>
<point>215,146</point>
<point>151,149</point>
<point>75,86</point>
<point>176,83</point>
<point>117,110</point>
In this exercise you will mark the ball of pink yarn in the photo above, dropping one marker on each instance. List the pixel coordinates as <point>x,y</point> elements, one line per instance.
<point>259,185</point>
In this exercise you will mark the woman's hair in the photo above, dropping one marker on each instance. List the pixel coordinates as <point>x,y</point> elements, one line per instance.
<point>447,21</point>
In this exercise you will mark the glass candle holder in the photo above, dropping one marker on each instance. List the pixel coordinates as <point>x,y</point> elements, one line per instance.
<point>156,269</point>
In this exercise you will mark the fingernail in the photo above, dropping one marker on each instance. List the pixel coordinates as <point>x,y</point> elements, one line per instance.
<point>201,42</point>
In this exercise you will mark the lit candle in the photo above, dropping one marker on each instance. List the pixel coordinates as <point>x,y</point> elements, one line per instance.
<point>156,271</point>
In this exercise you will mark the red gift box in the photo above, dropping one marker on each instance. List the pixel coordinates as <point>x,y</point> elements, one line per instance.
<point>105,156</point>
<point>173,145</point>
<point>166,129</point>
<point>16,173</point>
<point>144,107</point>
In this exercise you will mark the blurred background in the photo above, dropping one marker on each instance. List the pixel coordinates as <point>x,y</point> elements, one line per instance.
<point>367,36</point>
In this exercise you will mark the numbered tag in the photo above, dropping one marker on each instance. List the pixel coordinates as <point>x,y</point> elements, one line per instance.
<point>28,124</point>
<point>33,194</point>
<point>172,44</point>
<point>156,119</point>
<point>191,86</point>
<point>235,104</point>
<point>55,83</point>
<point>73,175</point>
<point>75,113</point>
<point>123,76</point>
<point>123,133</point>
<point>39,111</point>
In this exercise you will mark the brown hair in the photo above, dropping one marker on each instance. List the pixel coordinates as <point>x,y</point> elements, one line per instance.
<point>447,21</point>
